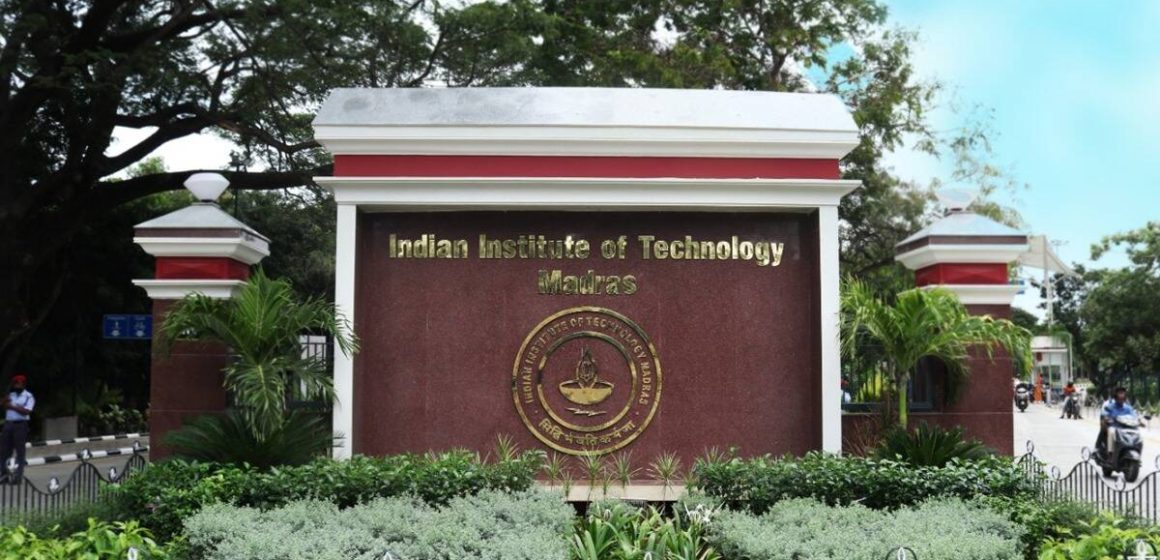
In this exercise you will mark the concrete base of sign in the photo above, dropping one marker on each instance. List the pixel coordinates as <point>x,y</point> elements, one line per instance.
<point>633,492</point>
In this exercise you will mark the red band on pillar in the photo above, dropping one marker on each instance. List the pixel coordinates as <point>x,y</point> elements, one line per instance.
<point>201,268</point>
<point>596,166</point>
<point>961,273</point>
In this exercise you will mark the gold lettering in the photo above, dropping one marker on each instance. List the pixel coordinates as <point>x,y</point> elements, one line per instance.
<point>661,249</point>
<point>550,283</point>
<point>645,242</point>
<point>629,285</point>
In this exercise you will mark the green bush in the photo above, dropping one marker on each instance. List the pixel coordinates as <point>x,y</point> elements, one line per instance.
<point>227,439</point>
<point>98,541</point>
<point>167,493</point>
<point>618,531</point>
<point>490,525</point>
<point>1042,520</point>
<point>757,484</point>
<point>1106,536</point>
<point>59,524</point>
<point>930,446</point>
<point>947,529</point>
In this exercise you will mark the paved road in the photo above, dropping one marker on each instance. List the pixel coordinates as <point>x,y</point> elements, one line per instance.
<point>1060,442</point>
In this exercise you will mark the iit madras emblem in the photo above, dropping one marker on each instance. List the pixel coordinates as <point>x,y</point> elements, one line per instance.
<point>587,380</point>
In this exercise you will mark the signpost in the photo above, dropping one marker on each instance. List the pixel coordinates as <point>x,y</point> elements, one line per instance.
<point>127,327</point>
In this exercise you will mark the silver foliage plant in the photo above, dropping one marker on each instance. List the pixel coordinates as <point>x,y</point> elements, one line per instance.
<point>944,529</point>
<point>488,526</point>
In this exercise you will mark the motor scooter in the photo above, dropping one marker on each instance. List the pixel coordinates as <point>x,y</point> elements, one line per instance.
<point>1126,448</point>
<point>1071,406</point>
<point>1022,398</point>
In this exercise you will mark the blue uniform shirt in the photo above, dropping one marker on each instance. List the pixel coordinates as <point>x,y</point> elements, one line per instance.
<point>1111,410</point>
<point>23,399</point>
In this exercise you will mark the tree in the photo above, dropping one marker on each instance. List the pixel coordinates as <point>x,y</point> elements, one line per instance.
<point>1120,315</point>
<point>71,72</point>
<point>262,326</point>
<point>254,72</point>
<point>300,226</point>
<point>1024,319</point>
<point>1141,245</point>
<point>924,324</point>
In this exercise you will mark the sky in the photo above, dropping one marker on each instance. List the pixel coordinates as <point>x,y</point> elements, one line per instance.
<point>1072,91</point>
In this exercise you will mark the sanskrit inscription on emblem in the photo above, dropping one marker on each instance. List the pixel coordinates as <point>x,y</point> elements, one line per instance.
<point>587,380</point>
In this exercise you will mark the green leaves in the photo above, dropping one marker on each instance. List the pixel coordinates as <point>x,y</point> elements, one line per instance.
<point>1104,537</point>
<point>758,483</point>
<point>803,528</point>
<point>920,324</point>
<point>166,493</point>
<point>99,541</point>
<point>491,525</point>
<point>617,531</point>
<point>228,440</point>
<point>262,326</point>
<point>930,446</point>
<point>1119,320</point>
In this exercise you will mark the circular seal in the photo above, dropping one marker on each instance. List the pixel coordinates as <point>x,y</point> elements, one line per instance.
<point>587,381</point>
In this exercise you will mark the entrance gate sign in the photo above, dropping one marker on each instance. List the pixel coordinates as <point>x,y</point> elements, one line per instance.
<point>127,327</point>
<point>587,270</point>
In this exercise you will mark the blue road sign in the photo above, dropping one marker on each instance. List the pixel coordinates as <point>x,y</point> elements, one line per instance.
<point>128,327</point>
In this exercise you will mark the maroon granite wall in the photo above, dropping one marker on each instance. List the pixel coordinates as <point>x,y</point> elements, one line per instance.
<point>983,409</point>
<point>186,382</point>
<point>737,343</point>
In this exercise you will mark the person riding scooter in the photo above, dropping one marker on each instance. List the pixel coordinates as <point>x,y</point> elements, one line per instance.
<point>1116,416</point>
<point>1070,402</point>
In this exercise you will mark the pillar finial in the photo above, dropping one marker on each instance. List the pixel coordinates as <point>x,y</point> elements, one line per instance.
<point>956,199</point>
<point>207,187</point>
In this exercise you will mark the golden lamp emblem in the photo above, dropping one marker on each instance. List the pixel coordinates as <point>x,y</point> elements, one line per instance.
<point>587,388</point>
<point>585,407</point>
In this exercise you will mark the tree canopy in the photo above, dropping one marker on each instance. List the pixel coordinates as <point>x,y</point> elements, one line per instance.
<point>254,71</point>
<point>1119,319</point>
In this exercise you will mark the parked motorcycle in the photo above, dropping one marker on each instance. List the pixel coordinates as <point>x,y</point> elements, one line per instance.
<point>1127,447</point>
<point>1022,398</point>
<point>1071,406</point>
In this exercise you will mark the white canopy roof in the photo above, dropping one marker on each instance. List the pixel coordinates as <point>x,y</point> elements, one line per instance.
<point>1042,256</point>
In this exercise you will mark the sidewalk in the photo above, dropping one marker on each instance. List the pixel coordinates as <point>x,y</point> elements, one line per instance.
<point>1059,442</point>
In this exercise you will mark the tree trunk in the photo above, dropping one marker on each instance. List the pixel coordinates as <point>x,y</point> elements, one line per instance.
<point>903,413</point>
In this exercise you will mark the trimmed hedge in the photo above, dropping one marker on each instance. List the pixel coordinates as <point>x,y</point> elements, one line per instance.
<point>947,529</point>
<point>757,484</point>
<point>167,493</point>
<point>491,525</point>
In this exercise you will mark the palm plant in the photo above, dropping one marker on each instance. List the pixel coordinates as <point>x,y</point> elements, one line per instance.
<point>228,439</point>
<point>920,324</point>
<point>262,326</point>
<point>930,446</point>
